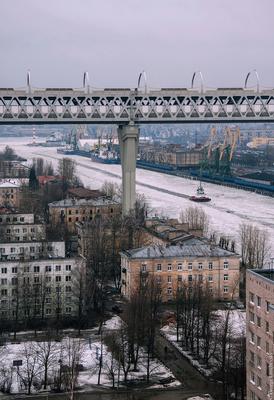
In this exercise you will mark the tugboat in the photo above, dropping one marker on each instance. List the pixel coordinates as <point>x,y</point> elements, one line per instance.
<point>200,195</point>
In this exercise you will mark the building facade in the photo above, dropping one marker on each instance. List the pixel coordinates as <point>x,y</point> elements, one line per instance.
<point>260,334</point>
<point>71,211</point>
<point>173,266</point>
<point>37,279</point>
<point>9,194</point>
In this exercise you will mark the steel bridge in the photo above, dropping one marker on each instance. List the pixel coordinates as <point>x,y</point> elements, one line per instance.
<point>130,107</point>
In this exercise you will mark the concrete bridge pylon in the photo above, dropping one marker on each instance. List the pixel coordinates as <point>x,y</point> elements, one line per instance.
<point>128,139</point>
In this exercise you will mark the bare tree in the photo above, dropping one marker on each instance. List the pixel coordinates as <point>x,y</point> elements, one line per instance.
<point>31,369</point>
<point>196,218</point>
<point>47,356</point>
<point>255,245</point>
<point>73,353</point>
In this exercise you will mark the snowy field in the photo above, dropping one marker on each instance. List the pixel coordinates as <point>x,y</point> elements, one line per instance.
<point>88,350</point>
<point>227,210</point>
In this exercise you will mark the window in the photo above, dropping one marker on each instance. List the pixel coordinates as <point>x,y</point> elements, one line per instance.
<point>158,279</point>
<point>169,267</point>
<point>251,316</point>
<point>200,277</point>
<point>159,267</point>
<point>169,291</point>
<point>68,278</point>
<point>4,270</point>
<point>2,250</point>
<point>68,289</point>
<point>26,269</point>
<point>258,341</point>
<point>180,278</point>
<point>267,306</point>
<point>12,249</point>
<point>14,281</point>
<point>252,377</point>
<point>48,268</point>
<point>259,382</point>
<point>251,337</point>
<point>259,362</point>
<point>69,212</point>
<point>144,267</point>
<point>200,265</point>
<point>189,278</point>
<point>48,278</point>
<point>259,321</point>
<point>258,301</point>
<point>267,369</point>
<point>48,290</point>
<point>180,267</point>
<point>252,356</point>
<point>225,277</point>
<point>210,265</point>
<point>57,268</point>
<point>4,281</point>
<point>225,289</point>
<point>189,266</point>
<point>4,292</point>
<point>169,279</point>
<point>58,278</point>
<point>68,267</point>
<point>22,219</point>
<point>48,311</point>
<point>225,264</point>
<point>210,278</point>
<point>69,219</point>
<point>267,326</point>
<point>267,347</point>
<point>58,289</point>
<point>32,249</point>
<point>36,268</point>
<point>68,310</point>
<point>251,297</point>
<point>36,279</point>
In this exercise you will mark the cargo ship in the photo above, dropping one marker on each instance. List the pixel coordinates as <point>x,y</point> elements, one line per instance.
<point>105,156</point>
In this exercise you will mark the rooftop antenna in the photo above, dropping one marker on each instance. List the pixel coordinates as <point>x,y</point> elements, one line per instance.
<point>86,84</point>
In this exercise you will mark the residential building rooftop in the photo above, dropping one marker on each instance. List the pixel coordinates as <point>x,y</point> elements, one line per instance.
<point>267,274</point>
<point>83,202</point>
<point>84,193</point>
<point>8,184</point>
<point>195,250</point>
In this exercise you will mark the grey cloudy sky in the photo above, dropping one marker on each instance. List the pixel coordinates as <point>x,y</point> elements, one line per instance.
<point>115,39</point>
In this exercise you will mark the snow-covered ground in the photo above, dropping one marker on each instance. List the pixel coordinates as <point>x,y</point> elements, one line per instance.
<point>227,210</point>
<point>236,329</point>
<point>89,350</point>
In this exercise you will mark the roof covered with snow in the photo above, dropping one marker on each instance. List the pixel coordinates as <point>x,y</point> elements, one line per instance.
<point>8,184</point>
<point>196,250</point>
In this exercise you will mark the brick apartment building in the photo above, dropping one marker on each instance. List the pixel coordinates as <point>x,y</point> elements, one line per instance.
<point>174,264</point>
<point>9,194</point>
<point>72,210</point>
<point>260,334</point>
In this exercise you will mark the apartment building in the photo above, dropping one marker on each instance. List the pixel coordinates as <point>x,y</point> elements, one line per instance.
<point>260,334</point>
<point>70,211</point>
<point>9,194</point>
<point>173,265</point>
<point>18,227</point>
<point>37,279</point>
<point>41,289</point>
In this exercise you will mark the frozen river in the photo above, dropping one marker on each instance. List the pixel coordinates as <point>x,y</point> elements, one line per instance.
<point>227,210</point>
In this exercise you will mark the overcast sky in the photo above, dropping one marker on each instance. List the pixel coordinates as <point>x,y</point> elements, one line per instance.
<point>115,39</point>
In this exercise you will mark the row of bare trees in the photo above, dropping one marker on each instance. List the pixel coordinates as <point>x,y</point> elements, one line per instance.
<point>210,337</point>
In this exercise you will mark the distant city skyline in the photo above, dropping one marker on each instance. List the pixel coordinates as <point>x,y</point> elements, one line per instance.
<point>115,40</point>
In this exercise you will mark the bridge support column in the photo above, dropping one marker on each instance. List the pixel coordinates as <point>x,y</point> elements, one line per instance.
<point>128,139</point>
